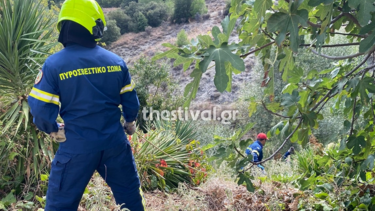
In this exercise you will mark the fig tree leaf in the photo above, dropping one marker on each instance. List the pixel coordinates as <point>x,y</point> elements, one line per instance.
<point>365,8</point>
<point>288,22</point>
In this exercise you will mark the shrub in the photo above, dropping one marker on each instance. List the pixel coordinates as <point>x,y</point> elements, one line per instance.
<point>198,6</point>
<point>122,20</point>
<point>109,3</point>
<point>182,11</point>
<point>155,13</point>
<point>112,33</point>
<point>182,38</point>
<point>141,21</point>
<point>148,30</point>
<point>150,79</point>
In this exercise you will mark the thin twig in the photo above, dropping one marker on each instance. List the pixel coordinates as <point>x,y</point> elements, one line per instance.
<point>271,112</point>
<point>358,66</point>
<point>258,49</point>
<point>282,145</point>
<point>331,46</point>
<point>349,34</point>
<point>364,71</point>
<point>337,57</point>
<point>352,125</point>
<point>351,17</point>
<point>323,99</point>
<point>235,148</point>
<point>332,22</point>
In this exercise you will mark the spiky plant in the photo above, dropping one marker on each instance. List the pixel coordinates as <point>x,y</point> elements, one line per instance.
<point>164,154</point>
<point>26,39</point>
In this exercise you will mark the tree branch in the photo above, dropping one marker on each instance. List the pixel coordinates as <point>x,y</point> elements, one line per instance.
<point>352,18</point>
<point>323,99</point>
<point>283,144</point>
<point>271,112</point>
<point>316,25</point>
<point>352,125</point>
<point>354,35</point>
<point>258,49</point>
<point>337,57</point>
<point>235,148</point>
<point>331,46</point>
<point>358,66</point>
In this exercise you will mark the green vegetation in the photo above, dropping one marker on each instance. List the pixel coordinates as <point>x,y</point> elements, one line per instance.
<point>312,87</point>
<point>182,38</point>
<point>112,33</point>
<point>155,88</point>
<point>346,86</point>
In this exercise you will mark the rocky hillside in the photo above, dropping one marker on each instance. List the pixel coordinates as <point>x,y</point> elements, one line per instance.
<point>131,46</point>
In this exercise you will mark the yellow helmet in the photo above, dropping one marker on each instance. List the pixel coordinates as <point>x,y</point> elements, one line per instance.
<point>87,13</point>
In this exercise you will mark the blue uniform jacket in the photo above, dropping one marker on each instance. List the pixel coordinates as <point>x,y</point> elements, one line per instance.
<point>286,155</point>
<point>85,86</point>
<point>256,150</point>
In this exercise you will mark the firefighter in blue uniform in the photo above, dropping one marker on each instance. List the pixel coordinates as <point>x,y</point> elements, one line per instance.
<point>288,153</point>
<point>85,84</point>
<point>256,149</point>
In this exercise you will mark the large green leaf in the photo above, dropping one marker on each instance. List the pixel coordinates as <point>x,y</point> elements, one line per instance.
<point>228,25</point>
<point>288,22</point>
<point>367,43</point>
<point>245,178</point>
<point>364,85</point>
<point>290,99</point>
<point>315,3</point>
<point>356,143</point>
<point>261,6</point>
<point>365,8</point>
<point>221,55</point>
<point>192,88</point>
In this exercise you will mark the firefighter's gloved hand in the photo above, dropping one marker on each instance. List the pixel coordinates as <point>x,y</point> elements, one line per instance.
<point>129,127</point>
<point>261,167</point>
<point>59,136</point>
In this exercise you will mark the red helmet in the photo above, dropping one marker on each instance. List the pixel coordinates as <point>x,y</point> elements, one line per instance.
<point>262,136</point>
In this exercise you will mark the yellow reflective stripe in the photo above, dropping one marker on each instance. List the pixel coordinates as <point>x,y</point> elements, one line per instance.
<point>256,152</point>
<point>128,88</point>
<point>143,199</point>
<point>249,148</point>
<point>44,96</point>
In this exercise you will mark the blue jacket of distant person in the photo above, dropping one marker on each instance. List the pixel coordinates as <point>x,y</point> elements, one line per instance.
<point>256,150</point>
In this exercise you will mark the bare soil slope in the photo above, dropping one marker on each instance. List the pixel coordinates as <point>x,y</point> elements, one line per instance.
<point>132,46</point>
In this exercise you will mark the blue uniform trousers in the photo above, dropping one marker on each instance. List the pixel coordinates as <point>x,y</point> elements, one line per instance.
<point>71,173</point>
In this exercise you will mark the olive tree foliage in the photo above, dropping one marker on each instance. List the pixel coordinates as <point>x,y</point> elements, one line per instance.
<point>288,26</point>
<point>112,33</point>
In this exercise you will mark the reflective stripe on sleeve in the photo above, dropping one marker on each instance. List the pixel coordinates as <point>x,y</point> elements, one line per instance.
<point>128,88</point>
<point>254,151</point>
<point>44,96</point>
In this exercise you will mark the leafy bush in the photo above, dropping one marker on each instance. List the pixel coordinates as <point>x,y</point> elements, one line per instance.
<point>122,20</point>
<point>112,33</point>
<point>155,88</point>
<point>109,3</point>
<point>182,38</point>
<point>184,164</point>
<point>182,11</point>
<point>198,7</point>
<point>141,21</point>
<point>155,13</point>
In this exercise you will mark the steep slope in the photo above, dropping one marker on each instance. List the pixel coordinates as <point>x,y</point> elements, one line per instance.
<point>132,46</point>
